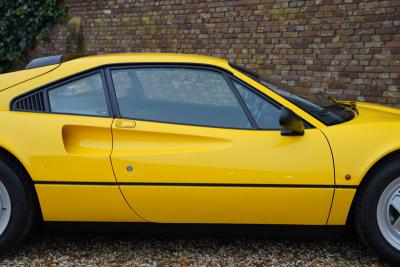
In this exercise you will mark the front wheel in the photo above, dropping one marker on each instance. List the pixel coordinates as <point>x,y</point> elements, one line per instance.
<point>16,207</point>
<point>377,211</point>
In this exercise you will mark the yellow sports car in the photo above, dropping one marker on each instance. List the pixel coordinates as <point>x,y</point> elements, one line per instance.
<point>169,138</point>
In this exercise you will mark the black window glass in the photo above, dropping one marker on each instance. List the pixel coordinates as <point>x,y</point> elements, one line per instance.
<point>178,95</point>
<point>264,113</point>
<point>84,96</point>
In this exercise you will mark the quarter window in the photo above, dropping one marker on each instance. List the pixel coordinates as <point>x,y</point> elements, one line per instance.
<point>84,96</point>
<point>264,112</point>
<point>178,95</point>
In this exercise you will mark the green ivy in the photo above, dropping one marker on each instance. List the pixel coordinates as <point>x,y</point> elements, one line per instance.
<point>23,24</point>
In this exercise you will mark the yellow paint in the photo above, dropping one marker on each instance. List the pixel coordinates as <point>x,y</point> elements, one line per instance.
<point>341,206</point>
<point>164,153</point>
<point>361,142</point>
<point>63,148</point>
<point>205,204</point>
<point>59,147</point>
<point>92,140</point>
<point>84,203</point>
<point>12,78</point>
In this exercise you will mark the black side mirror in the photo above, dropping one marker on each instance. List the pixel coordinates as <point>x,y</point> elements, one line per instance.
<point>291,124</point>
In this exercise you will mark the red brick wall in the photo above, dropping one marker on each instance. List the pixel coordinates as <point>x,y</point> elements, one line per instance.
<point>346,48</point>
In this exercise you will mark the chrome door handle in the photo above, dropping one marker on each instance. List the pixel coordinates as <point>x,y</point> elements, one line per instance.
<point>125,124</point>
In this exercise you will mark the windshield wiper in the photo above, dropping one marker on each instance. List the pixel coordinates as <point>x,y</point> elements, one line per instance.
<point>328,108</point>
<point>351,104</point>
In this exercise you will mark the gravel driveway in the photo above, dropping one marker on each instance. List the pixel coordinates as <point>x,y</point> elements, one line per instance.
<point>77,249</point>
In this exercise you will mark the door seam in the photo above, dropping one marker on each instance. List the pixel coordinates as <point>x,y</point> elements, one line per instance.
<point>115,176</point>
<point>334,176</point>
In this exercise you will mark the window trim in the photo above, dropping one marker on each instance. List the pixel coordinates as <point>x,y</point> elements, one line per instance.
<point>242,102</point>
<point>112,105</point>
<point>259,94</point>
<point>256,77</point>
<point>307,125</point>
<point>223,73</point>
<point>46,88</point>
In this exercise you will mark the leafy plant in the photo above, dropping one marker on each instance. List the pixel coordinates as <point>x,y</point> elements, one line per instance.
<point>23,24</point>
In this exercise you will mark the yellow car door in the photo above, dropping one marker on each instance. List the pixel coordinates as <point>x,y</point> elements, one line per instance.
<point>193,145</point>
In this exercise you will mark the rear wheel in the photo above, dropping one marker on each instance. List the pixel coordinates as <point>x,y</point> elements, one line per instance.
<point>5,208</point>
<point>16,207</point>
<point>377,211</point>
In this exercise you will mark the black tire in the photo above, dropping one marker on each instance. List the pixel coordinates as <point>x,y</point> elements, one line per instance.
<point>365,209</point>
<point>23,205</point>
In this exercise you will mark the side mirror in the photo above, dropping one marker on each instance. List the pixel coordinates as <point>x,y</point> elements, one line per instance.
<point>291,124</point>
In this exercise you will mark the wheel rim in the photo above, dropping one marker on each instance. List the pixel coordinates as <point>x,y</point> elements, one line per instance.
<point>5,208</point>
<point>388,213</point>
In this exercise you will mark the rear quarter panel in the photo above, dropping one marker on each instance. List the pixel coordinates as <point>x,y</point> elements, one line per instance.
<point>8,80</point>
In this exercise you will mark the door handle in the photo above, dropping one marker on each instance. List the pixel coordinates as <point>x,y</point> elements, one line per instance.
<point>125,124</point>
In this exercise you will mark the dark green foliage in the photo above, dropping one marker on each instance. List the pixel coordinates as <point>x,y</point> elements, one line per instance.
<point>24,23</point>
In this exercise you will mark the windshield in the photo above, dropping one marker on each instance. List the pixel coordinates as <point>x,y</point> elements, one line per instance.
<point>329,111</point>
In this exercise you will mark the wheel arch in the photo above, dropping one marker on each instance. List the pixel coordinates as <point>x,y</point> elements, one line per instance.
<point>368,176</point>
<point>13,162</point>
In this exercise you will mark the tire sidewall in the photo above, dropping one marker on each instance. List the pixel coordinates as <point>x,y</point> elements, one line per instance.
<point>368,222</point>
<point>17,224</point>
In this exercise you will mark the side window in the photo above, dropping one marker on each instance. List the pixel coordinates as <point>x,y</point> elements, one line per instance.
<point>178,95</point>
<point>264,113</point>
<point>84,96</point>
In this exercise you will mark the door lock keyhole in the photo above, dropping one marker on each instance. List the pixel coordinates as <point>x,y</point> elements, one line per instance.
<point>129,168</point>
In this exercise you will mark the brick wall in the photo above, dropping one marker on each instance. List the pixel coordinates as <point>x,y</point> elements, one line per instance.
<point>345,48</point>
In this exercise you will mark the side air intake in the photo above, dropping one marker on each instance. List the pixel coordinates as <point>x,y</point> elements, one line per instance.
<point>33,102</point>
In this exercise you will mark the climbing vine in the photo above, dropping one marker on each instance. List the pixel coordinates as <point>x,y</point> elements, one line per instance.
<point>23,24</point>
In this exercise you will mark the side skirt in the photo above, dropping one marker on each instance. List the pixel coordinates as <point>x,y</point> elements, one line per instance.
<point>199,230</point>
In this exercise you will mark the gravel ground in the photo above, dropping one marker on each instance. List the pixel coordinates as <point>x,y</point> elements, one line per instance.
<point>77,249</point>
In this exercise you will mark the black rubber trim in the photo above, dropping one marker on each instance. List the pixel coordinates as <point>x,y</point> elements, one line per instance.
<point>200,229</point>
<point>198,184</point>
<point>241,101</point>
